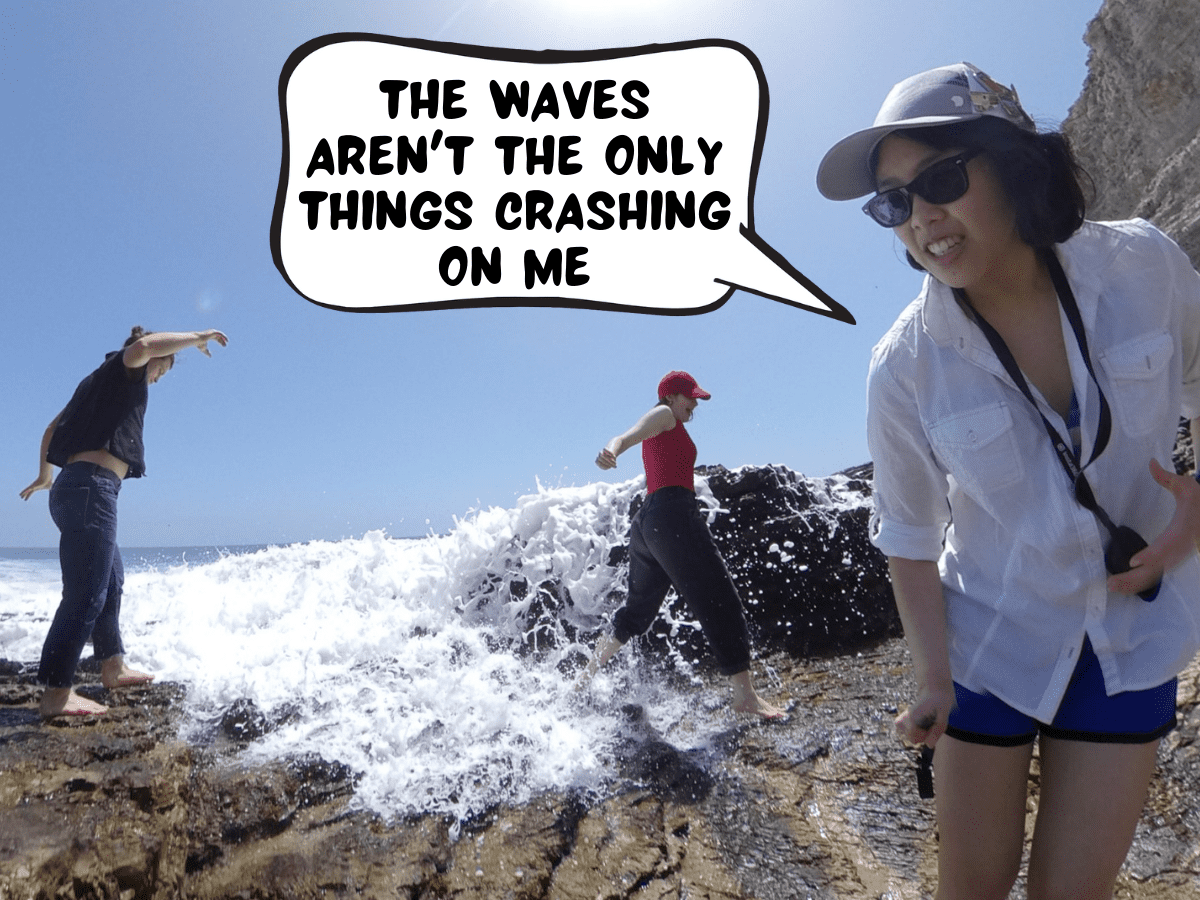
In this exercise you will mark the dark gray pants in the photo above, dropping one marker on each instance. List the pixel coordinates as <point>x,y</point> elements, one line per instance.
<point>670,545</point>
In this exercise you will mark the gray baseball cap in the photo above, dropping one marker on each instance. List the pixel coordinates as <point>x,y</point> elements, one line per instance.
<point>957,93</point>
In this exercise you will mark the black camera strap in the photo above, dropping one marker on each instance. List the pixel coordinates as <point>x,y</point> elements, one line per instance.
<point>1065,452</point>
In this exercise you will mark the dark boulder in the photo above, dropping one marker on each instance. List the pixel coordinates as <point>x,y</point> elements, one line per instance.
<point>799,552</point>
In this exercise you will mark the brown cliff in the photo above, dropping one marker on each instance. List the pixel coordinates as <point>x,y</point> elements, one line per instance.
<point>1136,124</point>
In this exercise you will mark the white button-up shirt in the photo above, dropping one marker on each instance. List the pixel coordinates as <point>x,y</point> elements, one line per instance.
<point>965,473</point>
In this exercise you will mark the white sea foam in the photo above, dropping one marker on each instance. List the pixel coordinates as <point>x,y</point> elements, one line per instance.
<point>408,660</point>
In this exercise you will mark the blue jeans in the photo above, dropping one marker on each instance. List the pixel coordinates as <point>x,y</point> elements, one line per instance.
<point>670,545</point>
<point>83,504</point>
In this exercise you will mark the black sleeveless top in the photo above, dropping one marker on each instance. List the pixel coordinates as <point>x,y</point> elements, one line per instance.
<point>105,413</point>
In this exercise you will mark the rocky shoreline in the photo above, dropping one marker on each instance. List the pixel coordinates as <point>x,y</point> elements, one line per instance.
<point>823,805</point>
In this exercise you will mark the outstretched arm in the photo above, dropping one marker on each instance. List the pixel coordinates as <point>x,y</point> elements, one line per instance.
<point>655,422</point>
<point>45,471</point>
<point>1181,537</point>
<point>164,343</point>
<point>922,605</point>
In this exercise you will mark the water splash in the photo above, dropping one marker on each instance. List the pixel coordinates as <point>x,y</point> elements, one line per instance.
<point>441,668</point>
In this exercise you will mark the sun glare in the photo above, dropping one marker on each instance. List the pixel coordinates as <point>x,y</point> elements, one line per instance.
<point>612,8</point>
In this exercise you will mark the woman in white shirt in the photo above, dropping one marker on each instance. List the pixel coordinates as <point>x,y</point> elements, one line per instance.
<point>1018,412</point>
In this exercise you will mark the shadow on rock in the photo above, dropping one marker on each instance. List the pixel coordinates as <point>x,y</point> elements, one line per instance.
<point>670,773</point>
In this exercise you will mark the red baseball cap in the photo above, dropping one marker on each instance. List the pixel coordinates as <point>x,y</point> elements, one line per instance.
<point>681,383</point>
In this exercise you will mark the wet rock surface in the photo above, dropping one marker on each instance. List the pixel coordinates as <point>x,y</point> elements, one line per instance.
<point>823,805</point>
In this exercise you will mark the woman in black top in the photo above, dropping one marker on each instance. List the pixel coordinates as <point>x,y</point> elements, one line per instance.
<point>97,440</point>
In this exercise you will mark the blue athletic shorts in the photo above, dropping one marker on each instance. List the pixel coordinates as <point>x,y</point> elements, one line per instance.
<point>1085,714</point>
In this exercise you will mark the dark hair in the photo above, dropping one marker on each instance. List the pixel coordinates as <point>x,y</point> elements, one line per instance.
<point>663,401</point>
<point>1037,172</point>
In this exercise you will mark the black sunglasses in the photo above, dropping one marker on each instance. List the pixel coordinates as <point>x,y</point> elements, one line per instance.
<point>943,182</point>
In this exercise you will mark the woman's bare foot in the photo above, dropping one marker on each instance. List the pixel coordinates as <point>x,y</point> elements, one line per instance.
<point>115,674</point>
<point>605,650</point>
<point>759,707</point>
<point>65,702</point>
<point>746,699</point>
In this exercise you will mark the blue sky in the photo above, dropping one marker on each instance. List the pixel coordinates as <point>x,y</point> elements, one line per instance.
<point>142,155</point>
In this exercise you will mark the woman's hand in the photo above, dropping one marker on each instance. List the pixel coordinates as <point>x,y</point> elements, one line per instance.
<point>203,337</point>
<point>45,479</point>
<point>43,482</point>
<point>925,721</point>
<point>1177,542</point>
<point>606,460</point>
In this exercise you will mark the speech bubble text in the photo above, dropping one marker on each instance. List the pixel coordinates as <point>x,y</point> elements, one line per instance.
<point>418,175</point>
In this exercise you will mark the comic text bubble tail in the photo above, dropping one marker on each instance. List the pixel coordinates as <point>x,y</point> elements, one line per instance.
<point>755,266</point>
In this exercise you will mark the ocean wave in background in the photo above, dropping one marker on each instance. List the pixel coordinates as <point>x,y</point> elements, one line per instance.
<point>439,668</point>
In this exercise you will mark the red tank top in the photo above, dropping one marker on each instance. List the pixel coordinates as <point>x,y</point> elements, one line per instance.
<point>670,459</point>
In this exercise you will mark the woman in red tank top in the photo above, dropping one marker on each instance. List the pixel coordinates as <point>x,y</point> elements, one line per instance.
<point>670,545</point>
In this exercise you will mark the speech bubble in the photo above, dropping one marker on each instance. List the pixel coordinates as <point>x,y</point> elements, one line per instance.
<point>421,175</point>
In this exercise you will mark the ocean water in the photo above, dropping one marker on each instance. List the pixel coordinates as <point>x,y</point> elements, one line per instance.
<point>434,666</point>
